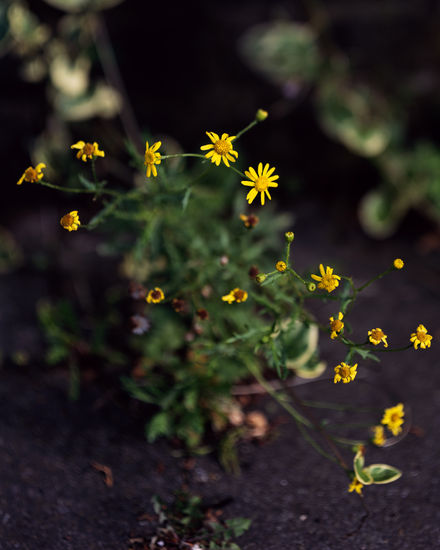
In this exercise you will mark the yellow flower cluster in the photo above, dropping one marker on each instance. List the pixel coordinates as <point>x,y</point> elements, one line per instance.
<point>221,149</point>
<point>376,336</point>
<point>336,325</point>
<point>379,436</point>
<point>32,175</point>
<point>155,296</point>
<point>152,158</point>
<point>393,418</point>
<point>345,373</point>
<point>421,338</point>
<point>87,150</point>
<point>327,281</point>
<point>71,221</point>
<point>356,486</point>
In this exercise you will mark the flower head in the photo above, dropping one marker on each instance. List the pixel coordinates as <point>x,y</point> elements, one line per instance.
<point>71,221</point>
<point>249,221</point>
<point>260,182</point>
<point>32,175</point>
<point>393,418</point>
<point>376,336</point>
<point>421,338</point>
<point>87,150</point>
<point>261,115</point>
<point>178,305</point>
<point>155,296</point>
<point>281,266</point>
<point>336,325</point>
<point>398,263</point>
<point>152,157</point>
<point>237,295</point>
<point>378,436</point>
<point>327,280</point>
<point>356,486</point>
<point>345,373</point>
<point>221,149</point>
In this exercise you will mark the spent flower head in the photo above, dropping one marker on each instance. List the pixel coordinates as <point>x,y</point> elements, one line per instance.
<point>249,221</point>
<point>376,336</point>
<point>260,181</point>
<point>336,325</point>
<point>327,280</point>
<point>152,158</point>
<point>421,338</point>
<point>32,175</point>
<point>71,221</point>
<point>87,150</point>
<point>345,372</point>
<point>221,149</point>
<point>393,418</point>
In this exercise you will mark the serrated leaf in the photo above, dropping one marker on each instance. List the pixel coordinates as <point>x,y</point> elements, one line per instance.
<point>271,279</point>
<point>383,473</point>
<point>366,354</point>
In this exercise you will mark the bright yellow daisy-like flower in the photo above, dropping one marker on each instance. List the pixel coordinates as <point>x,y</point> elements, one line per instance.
<point>260,182</point>
<point>376,336</point>
<point>345,372</point>
<point>327,280</point>
<point>152,157</point>
<point>379,436</point>
<point>71,221</point>
<point>237,295</point>
<point>87,150</point>
<point>336,325</point>
<point>32,175</point>
<point>356,486</point>
<point>393,418</point>
<point>155,296</point>
<point>421,338</point>
<point>398,263</point>
<point>281,266</point>
<point>221,149</point>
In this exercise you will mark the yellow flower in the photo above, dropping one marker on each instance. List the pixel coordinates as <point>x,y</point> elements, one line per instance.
<point>260,182</point>
<point>32,175</point>
<point>155,296</point>
<point>393,418</point>
<point>376,336</point>
<point>336,325</point>
<point>345,373</point>
<point>221,149</point>
<point>378,436</point>
<point>237,295</point>
<point>281,266</point>
<point>249,221</point>
<point>327,280</point>
<point>87,150</point>
<point>398,263</point>
<point>152,157</point>
<point>71,221</point>
<point>355,485</point>
<point>421,338</point>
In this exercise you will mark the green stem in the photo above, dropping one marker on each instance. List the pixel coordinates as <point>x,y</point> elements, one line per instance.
<point>76,190</point>
<point>359,289</point>
<point>181,155</point>
<point>248,127</point>
<point>95,179</point>
<point>295,274</point>
<point>237,171</point>
<point>255,371</point>
<point>288,252</point>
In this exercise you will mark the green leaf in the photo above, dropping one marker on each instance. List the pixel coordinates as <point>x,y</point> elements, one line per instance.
<point>383,473</point>
<point>361,474</point>
<point>366,354</point>
<point>185,199</point>
<point>238,525</point>
<point>271,279</point>
<point>86,182</point>
<point>159,425</point>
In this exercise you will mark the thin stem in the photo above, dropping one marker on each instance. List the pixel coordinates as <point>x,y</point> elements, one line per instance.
<point>76,190</point>
<point>359,289</point>
<point>255,371</point>
<point>295,274</point>
<point>237,171</point>
<point>248,127</point>
<point>178,155</point>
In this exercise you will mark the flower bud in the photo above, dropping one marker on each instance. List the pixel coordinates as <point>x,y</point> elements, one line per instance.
<point>260,278</point>
<point>398,263</point>
<point>281,266</point>
<point>289,236</point>
<point>261,115</point>
<point>311,287</point>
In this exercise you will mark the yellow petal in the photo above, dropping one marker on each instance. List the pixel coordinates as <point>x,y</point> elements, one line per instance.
<point>251,195</point>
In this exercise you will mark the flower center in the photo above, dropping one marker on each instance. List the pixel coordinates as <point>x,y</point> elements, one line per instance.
<point>421,336</point>
<point>156,295</point>
<point>239,295</point>
<point>88,149</point>
<point>262,183</point>
<point>336,325</point>
<point>149,157</point>
<point>67,220</point>
<point>377,334</point>
<point>222,146</point>
<point>345,371</point>
<point>395,417</point>
<point>30,174</point>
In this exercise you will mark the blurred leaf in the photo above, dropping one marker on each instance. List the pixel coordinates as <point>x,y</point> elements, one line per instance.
<point>159,425</point>
<point>77,6</point>
<point>378,215</point>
